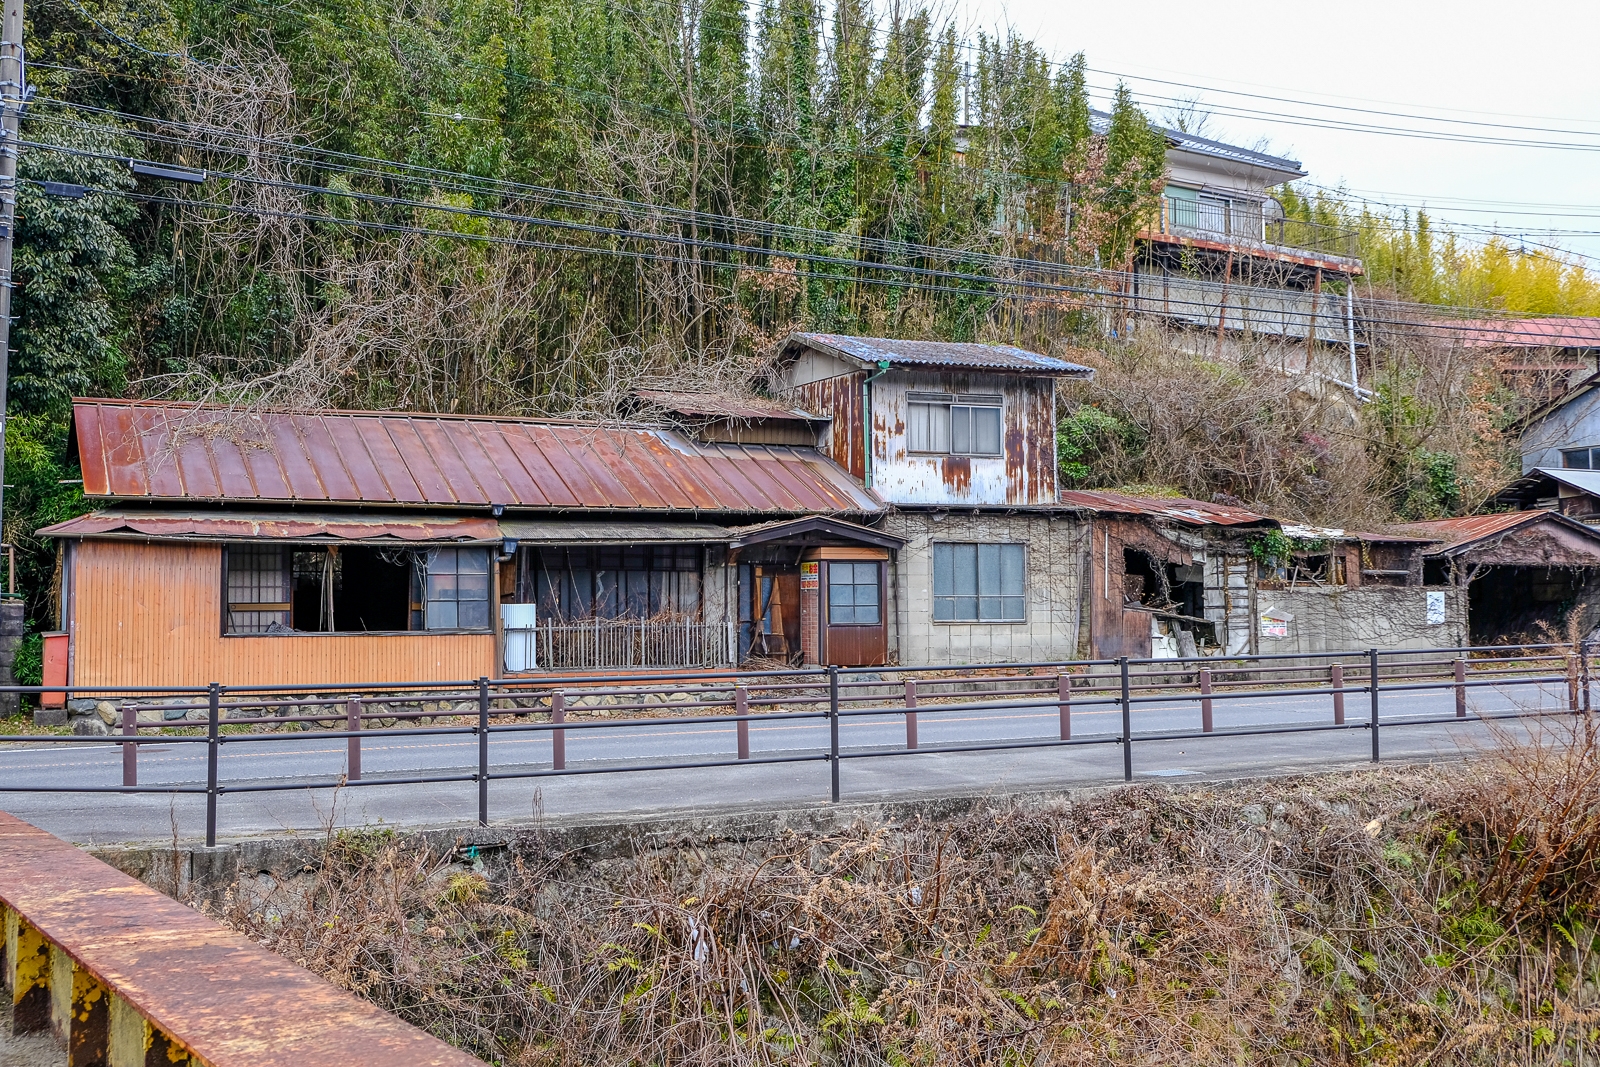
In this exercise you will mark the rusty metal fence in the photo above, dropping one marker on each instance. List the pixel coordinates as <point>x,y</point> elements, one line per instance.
<point>1354,686</point>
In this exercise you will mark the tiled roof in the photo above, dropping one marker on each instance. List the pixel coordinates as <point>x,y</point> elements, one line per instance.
<point>131,450</point>
<point>962,355</point>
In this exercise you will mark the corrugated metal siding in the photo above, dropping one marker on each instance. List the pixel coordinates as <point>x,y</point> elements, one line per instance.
<point>840,399</point>
<point>1025,472</point>
<point>150,615</point>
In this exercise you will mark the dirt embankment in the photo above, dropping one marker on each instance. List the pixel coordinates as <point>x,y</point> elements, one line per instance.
<point>1438,916</point>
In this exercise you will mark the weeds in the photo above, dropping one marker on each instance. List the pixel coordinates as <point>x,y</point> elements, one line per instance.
<point>1432,915</point>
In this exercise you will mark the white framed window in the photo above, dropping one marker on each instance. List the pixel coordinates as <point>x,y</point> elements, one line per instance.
<point>966,424</point>
<point>979,582</point>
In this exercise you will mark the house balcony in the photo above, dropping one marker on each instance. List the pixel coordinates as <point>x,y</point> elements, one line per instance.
<point>1243,228</point>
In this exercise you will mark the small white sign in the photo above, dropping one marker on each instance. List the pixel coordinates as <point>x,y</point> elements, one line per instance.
<point>1275,624</point>
<point>1435,609</point>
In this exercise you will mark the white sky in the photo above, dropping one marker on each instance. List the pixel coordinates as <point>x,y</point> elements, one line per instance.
<point>1527,64</point>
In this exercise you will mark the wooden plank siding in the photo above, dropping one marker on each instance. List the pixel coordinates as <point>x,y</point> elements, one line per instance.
<point>840,399</point>
<point>151,615</point>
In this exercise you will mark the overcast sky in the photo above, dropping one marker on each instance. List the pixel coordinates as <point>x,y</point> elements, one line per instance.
<point>1531,66</point>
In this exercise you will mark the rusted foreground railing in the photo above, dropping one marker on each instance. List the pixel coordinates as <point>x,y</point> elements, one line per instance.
<point>805,708</point>
<point>127,977</point>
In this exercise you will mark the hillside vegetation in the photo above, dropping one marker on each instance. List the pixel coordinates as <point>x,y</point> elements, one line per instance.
<point>1441,916</point>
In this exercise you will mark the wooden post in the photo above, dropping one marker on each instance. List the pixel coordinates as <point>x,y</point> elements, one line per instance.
<point>1336,680</point>
<point>741,708</point>
<point>558,738</point>
<point>1461,689</point>
<point>1206,724</point>
<point>911,716</point>
<point>1064,704</point>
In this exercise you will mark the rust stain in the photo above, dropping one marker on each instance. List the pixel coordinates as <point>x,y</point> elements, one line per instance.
<point>217,994</point>
<point>956,472</point>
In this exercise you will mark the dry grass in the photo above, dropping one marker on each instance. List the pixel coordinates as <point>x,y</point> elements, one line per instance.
<point>1436,915</point>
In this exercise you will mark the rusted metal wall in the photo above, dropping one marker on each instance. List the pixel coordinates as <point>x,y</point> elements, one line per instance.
<point>151,615</point>
<point>839,398</point>
<point>1116,630</point>
<point>1024,474</point>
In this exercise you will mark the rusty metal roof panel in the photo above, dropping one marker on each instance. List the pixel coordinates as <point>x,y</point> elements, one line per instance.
<point>1180,509</point>
<point>965,356</point>
<point>230,1002</point>
<point>188,524</point>
<point>722,406</point>
<point>149,451</point>
<point>1555,331</point>
<point>1471,527</point>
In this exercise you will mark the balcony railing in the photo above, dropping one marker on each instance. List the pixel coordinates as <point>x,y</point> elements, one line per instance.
<point>1244,223</point>
<point>600,643</point>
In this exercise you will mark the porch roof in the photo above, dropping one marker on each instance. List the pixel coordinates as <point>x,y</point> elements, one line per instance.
<point>213,525</point>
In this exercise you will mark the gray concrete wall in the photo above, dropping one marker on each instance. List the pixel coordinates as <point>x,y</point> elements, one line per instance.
<point>1054,583</point>
<point>1337,619</point>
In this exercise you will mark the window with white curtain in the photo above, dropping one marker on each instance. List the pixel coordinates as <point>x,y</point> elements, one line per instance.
<point>967,424</point>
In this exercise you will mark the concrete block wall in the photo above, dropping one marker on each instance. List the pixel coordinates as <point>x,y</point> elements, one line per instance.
<point>1054,584</point>
<point>1336,618</point>
<point>12,625</point>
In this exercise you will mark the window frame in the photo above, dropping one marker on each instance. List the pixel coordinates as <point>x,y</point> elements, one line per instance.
<point>288,548</point>
<point>948,612</point>
<point>1587,451</point>
<point>876,585</point>
<point>949,409</point>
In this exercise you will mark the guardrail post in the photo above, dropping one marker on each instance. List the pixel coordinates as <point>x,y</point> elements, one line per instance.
<point>213,744</point>
<point>1064,704</point>
<point>1127,724</point>
<point>833,731</point>
<point>1336,683</point>
<point>911,716</point>
<point>1372,665</point>
<point>352,723</point>
<point>741,708</point>
<point>1572,682</point>
<point>558,738</point>
<point>483,751</point>
<point>1206,722</point>
<point>1461,688</point>
<point>1583,670</point>
<point>130,751</point>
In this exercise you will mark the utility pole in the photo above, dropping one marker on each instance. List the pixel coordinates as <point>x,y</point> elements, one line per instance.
<point>13,92</point>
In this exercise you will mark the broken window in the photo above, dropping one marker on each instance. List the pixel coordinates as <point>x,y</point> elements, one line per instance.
<point>979,583</point>
<point>275,589</point>
<point>615,582</point>
<point>948,424</point>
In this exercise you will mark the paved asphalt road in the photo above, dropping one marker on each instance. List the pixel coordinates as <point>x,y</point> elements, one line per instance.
<point>111,817</point>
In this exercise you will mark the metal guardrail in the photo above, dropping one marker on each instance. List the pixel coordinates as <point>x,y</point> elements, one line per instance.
<point>218,716</point>
<point>126,976</point>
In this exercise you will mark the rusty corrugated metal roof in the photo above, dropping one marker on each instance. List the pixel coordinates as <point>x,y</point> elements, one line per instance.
<point>1471,527</point>
<point>719,406</point>
<point>300,525</point>
<point>1180,509</point>
<point>133,450</point>
<point>1555,331</point>
<point>965,356</point>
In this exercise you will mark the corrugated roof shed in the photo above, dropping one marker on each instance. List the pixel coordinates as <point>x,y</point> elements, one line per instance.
<point>149,451</point>
<point>1456,534</point>
<point>1179,509</point>
<point>870,351</point>
<point>1556,331</point>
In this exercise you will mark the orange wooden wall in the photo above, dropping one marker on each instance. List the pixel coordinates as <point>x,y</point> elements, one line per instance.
<point>151,615</point>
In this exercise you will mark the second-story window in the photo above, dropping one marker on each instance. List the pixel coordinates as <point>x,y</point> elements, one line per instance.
<point>967,424</point>
<point>1580,459</point>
